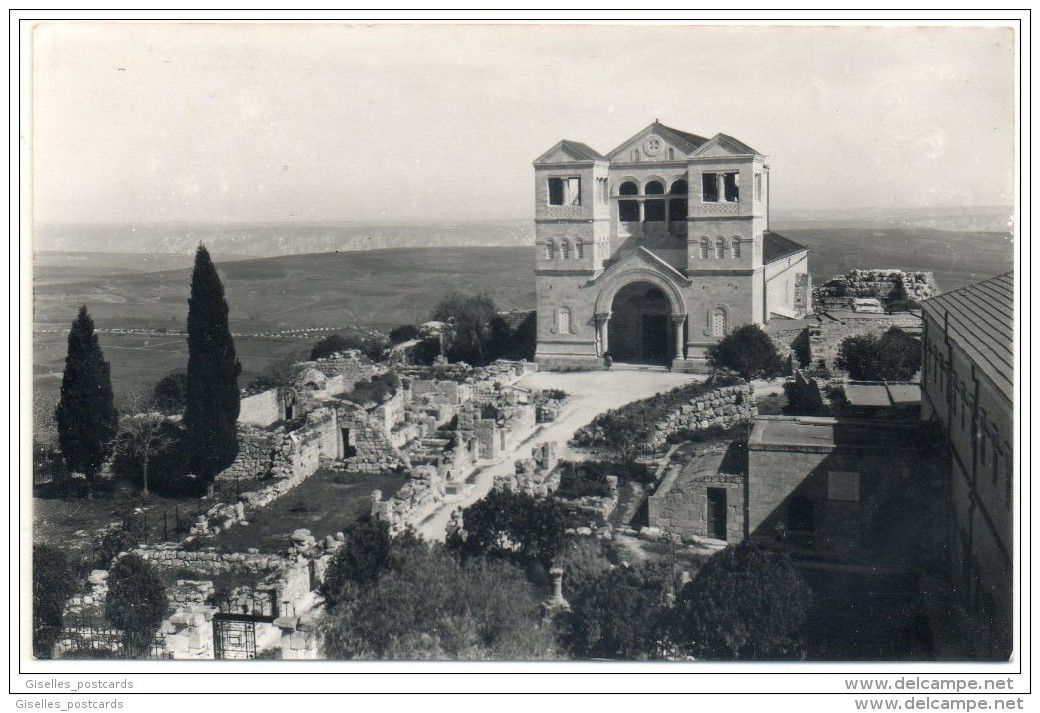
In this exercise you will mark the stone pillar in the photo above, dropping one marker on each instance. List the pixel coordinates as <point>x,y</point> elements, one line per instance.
<point>556,602</point>
<point>679,320</point>
<point>602,320</point>
<point>299,637</point>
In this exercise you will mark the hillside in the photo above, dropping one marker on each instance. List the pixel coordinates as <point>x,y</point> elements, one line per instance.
<point>382,288</point>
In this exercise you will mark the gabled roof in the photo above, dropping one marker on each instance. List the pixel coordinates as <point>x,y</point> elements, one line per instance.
<point>693,141</point>
<point>684,140</point>
<point>580,152</point>
<point>776,247</point>
<point>647,258</point>
<point>728,144</point>
<point>981,320</point>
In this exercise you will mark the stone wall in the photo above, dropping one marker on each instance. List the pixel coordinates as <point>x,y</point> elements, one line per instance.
<point>826,336</point>
<point>883,284</point>
<point>374,451</point>
<point>680,505</point>
<point>261,409</point>
<point>536,476</point>
<point>351,365</point>
<point>209,562</point>
<point>415,500</point>
<point>721,408</point>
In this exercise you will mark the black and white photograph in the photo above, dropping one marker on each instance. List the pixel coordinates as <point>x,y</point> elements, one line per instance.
<point>552,344</point>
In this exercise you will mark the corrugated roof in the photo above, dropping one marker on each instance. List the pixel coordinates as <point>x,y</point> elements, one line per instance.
<point>776,246</point>
<point>583,150</point>
<point>981,321</point>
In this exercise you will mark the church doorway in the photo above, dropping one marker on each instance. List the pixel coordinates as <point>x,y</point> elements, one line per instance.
<point>640,325</point>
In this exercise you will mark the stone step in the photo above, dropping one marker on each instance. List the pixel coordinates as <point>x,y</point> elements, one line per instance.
<point>621,366</point>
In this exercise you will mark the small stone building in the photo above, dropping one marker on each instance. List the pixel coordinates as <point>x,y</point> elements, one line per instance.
<point>863,490</point>
<point>656,250</point>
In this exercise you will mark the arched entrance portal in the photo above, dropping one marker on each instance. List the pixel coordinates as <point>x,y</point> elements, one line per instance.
<point>640,325</point>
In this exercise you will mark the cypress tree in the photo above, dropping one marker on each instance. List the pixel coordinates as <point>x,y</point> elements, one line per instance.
<point>86,414</point>
<point>212,397</point>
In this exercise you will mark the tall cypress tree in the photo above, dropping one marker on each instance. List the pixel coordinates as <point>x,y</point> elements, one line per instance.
<point>212,397</point>
<point>86,414</point>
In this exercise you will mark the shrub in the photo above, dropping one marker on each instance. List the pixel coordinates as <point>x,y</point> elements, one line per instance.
<point>170,393</point>
<point>376,390</point>
<point>515,526</point>
<point>431,606</point>
<point>620,615</point>
<point>895,356</point>
<point>129,535</point>
<point>369,345</point>
<point>745,603</point>
<point>584,479</point>
<point>136,601</point>
<point>53,583</point>
<point>403,333</point>
<point>367,552</point>
<point>469,336</point>
<point>749,352</point>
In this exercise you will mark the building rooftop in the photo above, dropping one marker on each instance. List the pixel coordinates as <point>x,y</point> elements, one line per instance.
<point>693,141</point>
<point>776,246</point>
<point>824,434</point>
<point>882,395</point>
<point>981,321</point>
<point>583,151</point>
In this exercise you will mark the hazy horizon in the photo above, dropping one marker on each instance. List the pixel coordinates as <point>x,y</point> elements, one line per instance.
<point>264,123</point>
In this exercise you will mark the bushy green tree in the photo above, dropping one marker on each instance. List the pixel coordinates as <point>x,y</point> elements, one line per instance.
<point>745,603</point>
<point>212,398</point>
<point>86,415</point>
<point>470,338</point>
<point>749,352</point>
<point>515,526</point>
<point>430,606</point>
<point>170,393</point>
<point>53,583</point>
<point>371,346</point>
<point>619,615</point>
<point>403,333</point>
<point>894,356</point>
<point>136,601</point>
<point>367,552</point>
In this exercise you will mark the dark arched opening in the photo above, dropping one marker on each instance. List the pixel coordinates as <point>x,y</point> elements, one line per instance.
<point>640,325</point>
<point>653,210</point>
<point>678,207</point>
<point>628,211</point>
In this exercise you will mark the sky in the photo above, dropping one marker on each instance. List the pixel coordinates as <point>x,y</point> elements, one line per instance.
<point>139,122</point>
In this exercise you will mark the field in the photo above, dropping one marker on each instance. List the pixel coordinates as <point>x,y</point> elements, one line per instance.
<point>325,503</point>
<point>383,288</point>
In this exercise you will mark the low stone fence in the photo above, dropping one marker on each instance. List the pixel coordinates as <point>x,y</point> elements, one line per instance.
<point>352,365</point>
<point>209,562</point>
<point>597,507</point>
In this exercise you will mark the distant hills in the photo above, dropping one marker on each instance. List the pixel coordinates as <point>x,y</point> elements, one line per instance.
<point>276,239</point>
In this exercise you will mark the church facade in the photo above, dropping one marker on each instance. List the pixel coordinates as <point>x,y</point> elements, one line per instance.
<point>655,251</point>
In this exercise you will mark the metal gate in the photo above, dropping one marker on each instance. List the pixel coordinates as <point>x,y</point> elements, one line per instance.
<point>234,636</point>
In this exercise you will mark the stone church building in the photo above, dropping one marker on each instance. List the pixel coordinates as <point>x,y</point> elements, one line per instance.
<point>656,250</point>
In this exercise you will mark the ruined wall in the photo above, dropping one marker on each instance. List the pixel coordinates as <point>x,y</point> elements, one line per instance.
<point>536,476</point>
<point>351,365</point>
<point>826,336</point>
<point>884,284</point>
<point>261,409</point>
<point>722,407</point>
<point>210,563</point>
<point>373,450</point>
<point>414,501</point>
